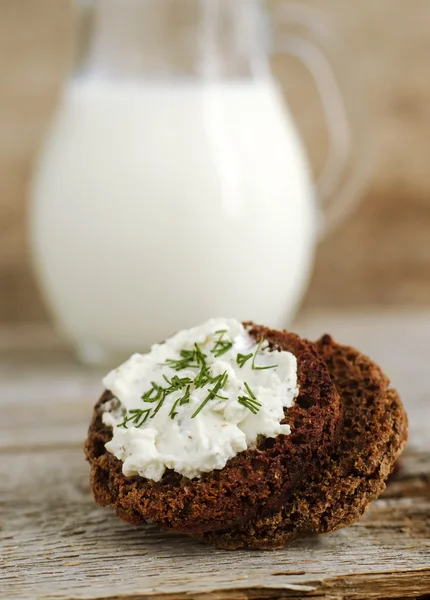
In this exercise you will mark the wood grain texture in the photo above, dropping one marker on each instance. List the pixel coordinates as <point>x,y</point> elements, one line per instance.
<point>380,256</point>
<point>57,544</point>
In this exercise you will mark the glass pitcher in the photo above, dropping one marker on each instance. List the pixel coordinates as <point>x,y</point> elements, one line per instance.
<point>173,186</point>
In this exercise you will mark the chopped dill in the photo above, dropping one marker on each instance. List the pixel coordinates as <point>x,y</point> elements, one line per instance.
<point>241,359</point>
<point>195,359</point>
<point>250,402</point>
<point>254,366</point>
<point>137,417</point>
<point>220,380</point>
<point>221,345</point>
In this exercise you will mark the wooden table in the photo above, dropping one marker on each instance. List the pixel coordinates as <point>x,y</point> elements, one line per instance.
<point>57,544</point>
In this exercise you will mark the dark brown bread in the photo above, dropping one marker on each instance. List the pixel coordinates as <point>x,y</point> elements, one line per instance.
<point>338,492</point>
<point>252,484</point>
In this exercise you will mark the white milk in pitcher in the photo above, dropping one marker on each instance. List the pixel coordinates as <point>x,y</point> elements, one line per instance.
<point>157,205</point>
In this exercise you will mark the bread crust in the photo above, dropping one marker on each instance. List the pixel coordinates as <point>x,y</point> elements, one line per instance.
<point>253,484</point>
<point>337,493</point>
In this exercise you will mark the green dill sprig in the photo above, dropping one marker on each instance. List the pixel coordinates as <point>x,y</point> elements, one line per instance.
<point>254,366</point>
<point>241,359</point>
<point>200,356</point>
<point>181,401</point>
<point>137,417</point>
<point>155,389</point>
<point>155,394</point>
<point>219,381</point>
<point>190,359</point>
<point>176,383</point>
<point>158,394</point>
<point>250,402</point>
<point>203,377</point>
<point>185,362</point>
<point>221,345</point>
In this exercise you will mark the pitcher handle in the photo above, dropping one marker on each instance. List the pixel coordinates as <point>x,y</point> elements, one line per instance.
<point>341,182</point>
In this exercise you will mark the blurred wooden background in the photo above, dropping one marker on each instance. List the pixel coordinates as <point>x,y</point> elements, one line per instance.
<point>381,255</point>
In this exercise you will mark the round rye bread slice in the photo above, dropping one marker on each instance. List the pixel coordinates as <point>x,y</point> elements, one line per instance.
<point>253,483</point>
<point>337,492</point>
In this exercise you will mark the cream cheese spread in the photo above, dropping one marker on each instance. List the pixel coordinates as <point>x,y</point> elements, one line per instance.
<point>198,399</point>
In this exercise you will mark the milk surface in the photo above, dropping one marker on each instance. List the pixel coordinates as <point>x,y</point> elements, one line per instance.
<point>157,205</point>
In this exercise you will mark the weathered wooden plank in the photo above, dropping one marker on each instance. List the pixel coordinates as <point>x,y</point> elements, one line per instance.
<point>57,543</point>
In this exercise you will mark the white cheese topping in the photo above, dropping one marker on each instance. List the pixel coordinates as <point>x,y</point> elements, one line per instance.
<point>162,419</point>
